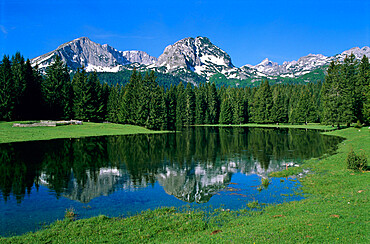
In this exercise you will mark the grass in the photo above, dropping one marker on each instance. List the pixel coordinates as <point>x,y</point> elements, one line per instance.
<point>336,210</point>
<point>16,134</point>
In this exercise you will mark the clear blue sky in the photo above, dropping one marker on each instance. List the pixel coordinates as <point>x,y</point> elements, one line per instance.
<point>248,30</point>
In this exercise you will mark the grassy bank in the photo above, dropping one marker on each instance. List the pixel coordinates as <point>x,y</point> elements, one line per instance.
<point>15,134</point>
<point>336,210</point>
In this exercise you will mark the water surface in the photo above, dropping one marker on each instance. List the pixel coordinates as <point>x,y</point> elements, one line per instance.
<point>201,167</point>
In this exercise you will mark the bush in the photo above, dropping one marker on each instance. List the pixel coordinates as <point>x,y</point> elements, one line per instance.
<point>356,162</point>
<point>358,124</point>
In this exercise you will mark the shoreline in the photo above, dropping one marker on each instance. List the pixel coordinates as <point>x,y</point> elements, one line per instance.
<point>335,210</point>
<point>9,134</point>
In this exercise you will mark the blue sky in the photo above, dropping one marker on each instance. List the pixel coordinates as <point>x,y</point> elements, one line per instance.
<point>248,30</point>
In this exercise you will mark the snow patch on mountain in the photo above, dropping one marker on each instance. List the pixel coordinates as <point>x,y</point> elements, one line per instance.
<point>82,52</point>
<point>189,55</point>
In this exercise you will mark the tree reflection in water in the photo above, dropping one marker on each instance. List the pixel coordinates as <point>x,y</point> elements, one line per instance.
<point>192,165</point>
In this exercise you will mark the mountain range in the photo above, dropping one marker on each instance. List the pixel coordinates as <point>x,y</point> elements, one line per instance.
<point>187,56</point>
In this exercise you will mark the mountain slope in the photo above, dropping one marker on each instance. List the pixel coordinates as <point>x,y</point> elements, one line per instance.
<point>199,55</point>
<point>190,59</point>
<point>93,56</point>
<point>304,65</point>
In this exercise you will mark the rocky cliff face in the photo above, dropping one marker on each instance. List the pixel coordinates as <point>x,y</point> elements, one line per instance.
<point>199,55</point>
<point>304,64</point>
<point>190,55</point>
<point>83,52</point>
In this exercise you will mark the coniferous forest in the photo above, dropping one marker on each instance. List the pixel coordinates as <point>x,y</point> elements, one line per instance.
<point>25,94</point>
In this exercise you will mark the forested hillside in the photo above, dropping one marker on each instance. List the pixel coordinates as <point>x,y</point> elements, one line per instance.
<point>159,102</point>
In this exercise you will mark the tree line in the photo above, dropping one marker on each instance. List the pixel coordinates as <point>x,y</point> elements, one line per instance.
<point>343,97</point>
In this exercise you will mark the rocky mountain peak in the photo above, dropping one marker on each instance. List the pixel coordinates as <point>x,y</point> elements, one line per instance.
<point>186,56</point>
<point>82,52</point>
<point>358,52</point>
<point>195,54</point>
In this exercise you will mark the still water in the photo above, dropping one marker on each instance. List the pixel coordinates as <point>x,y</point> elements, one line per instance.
<point>201,167</point>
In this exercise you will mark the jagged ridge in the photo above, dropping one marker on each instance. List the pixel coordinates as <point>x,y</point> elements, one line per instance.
<point>190,55</point>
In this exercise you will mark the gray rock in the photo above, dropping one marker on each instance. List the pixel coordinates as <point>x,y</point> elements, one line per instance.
<point>83,52</point>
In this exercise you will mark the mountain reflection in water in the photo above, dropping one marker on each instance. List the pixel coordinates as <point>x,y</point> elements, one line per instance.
<point>192,165</point>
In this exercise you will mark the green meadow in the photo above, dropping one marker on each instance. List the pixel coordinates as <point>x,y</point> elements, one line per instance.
<point>16,134</point>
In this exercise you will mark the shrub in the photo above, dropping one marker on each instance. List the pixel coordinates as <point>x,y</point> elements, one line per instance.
<point>356,162</point>
<point>358,124</point>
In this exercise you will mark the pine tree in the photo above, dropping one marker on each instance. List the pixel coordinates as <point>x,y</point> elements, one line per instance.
<point>19,81</point>
<point>200,104</point>
<point>337,93</point>
<point>156,111</point>
<point>279,111</point>
<point>262,104</point>
<point>170,99</point>
<point>362,112</point>
<point>105,98</point>
<point>57,91</point>
<point>151,94</point>
<point>226,116</point>
<point>213,104</point>
<point>31,104</point>
<point>7,92</point>
<point>329,95</point>
<point>180,105</point>
<point>97,99</point>
<point>131,106</point>
<point>82,101</point>
<point>238,107</point>
<point>348,91</point>
<point>113,106</point>
<point>189,105</point>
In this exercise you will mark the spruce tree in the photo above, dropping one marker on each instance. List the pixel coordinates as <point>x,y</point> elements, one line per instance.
<point>19,81</point>
<point>362,89</point>
<point>189,105</point>
<point>347,90</point>
<point>237,103</point>
<point>113,106</point>
<point>279,111</point>
<point>180,105</point>
<point>97,98</point>
<point>156,110</point>
<point>213,104</point>
<point>82,100</point>
<point>31,104</point>
<point>7,91</point>
<point>57,91</point>
<point>262,104</point>
<point>226,116</point>
<point>170,99</point>
<point>200,104</point>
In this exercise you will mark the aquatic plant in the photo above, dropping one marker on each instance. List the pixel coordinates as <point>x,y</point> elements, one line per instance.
<point>70,214</point>
<point>253,204</point>
<point>265,182</point>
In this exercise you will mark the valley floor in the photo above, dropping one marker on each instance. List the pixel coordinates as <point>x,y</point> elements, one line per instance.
<point>336,210</point>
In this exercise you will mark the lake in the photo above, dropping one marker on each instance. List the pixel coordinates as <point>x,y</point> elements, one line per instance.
<point>200,167</point>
